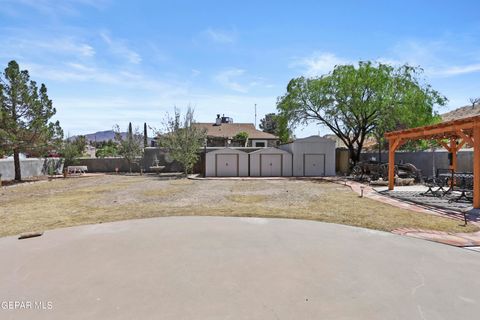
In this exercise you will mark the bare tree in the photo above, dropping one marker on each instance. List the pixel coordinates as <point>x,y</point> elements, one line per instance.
<point>474,101</point>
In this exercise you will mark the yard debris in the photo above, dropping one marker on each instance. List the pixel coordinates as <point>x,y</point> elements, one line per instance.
<point>372,170</point>
<point>27,235</point>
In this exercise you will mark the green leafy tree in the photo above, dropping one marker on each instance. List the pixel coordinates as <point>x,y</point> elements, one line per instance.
<point>182,140</point>
<point>72,149</point>
<point>106,149</point>
<point>80,142</point>
<point>355,102</point>
<point>284,132</point>
<point>242,137</point>
<point>278,125</point>
<point>130,148</point>
<point>269,123</point>
<point>25,111</point>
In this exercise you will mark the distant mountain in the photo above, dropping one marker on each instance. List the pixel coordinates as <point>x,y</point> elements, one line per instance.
<point>103,136</point>
<point>106,135</point>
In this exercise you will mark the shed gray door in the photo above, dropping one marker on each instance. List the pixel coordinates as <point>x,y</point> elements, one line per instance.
<point>271,165</point>
<point>226,165</point>
<point>314,165</point>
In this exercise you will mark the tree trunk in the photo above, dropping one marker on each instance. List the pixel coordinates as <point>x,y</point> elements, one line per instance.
<point>16,162</point>
<point>353,155</point>
<point>357,153</point>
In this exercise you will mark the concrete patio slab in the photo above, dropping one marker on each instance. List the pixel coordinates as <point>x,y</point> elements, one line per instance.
<point>235,268</point>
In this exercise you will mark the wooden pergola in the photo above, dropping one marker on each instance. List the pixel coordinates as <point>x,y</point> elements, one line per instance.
<point>452,135</point>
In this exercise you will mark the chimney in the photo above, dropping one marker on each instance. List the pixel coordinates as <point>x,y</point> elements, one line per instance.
<point>218,121</point>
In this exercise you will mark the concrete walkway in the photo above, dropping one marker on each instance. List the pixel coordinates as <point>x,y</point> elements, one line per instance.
<point>235,268</point>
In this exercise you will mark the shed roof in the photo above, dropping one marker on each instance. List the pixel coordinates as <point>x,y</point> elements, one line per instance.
<point>313,139</point>
<point>270,150</point>
<point>227,150</point>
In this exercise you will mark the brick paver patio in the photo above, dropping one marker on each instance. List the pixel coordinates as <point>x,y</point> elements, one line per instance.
<point>451,211</point>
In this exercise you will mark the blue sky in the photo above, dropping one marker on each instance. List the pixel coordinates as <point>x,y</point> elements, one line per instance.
<point>109,62</point>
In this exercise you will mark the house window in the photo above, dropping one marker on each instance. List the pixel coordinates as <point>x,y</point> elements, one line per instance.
<point>259,144</point>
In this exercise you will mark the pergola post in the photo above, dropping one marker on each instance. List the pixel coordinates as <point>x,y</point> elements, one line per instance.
<point>476,166</point>
<point>392,146</point>
<point>453,151</point>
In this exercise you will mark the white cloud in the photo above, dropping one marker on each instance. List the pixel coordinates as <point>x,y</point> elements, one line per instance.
<point>22,45</point>
<point>220,36</point>
<point>77,72</point>
<point>318,63</point>
<point>457,70</point>
<point>227,79</point>
<point>437,58</point>
<point>68,45</point>
<point>120,48</point>
<point>49,7</point>
<point>195,73</point>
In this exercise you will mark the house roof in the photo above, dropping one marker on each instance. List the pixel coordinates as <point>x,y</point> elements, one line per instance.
<point>230,130</point>
<point>462,112</point>
<point>314,139</point>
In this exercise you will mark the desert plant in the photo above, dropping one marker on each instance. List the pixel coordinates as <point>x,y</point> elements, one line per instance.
<point>181,139</point>
<point>130,147</point>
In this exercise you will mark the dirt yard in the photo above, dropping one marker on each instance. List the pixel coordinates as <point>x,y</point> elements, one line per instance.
<point>74,201</point>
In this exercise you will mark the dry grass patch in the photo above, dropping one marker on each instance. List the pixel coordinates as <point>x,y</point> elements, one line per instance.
<point>69,202</point>
<point>246,198</point>
<point>173,187</point>
<point>181,182</point>
<point>161,192</point>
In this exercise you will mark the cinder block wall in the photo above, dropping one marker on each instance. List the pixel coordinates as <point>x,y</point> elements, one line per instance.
<point>30,167</point>
<point>424,160</point>
<point>149,160</point>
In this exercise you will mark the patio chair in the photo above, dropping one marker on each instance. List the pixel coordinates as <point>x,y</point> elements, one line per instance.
<point>465,188</point>
<point>434,182</point>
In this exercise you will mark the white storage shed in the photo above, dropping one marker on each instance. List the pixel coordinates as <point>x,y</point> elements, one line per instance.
<point>312,157</point>
<point>270,162</point>
<point>226,162</point>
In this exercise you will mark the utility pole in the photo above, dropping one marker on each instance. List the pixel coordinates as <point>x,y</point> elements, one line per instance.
<point>255,116</point>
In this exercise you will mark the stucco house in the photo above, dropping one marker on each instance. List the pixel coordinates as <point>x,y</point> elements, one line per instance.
<point>222,132</point>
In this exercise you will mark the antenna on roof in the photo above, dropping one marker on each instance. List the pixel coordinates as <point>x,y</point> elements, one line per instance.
<point>255,116</point>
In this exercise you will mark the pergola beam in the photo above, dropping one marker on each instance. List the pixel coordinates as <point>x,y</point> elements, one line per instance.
<point>465,138</point>
<point>447,129</point>
<point>443,144</point>
<point>461,144</point>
